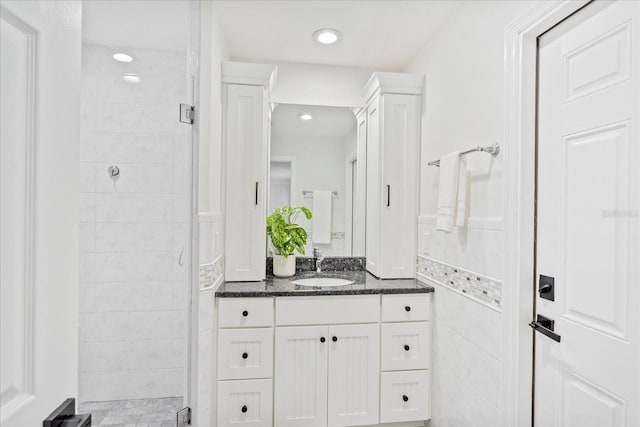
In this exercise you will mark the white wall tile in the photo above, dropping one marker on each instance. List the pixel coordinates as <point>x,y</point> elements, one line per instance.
<point>130,296</point>
<point>133,293</point>
<point>132,325</point>
<point>133,148</point>
<point>134,207</point>
<point>139,237</point>
<point>127,355</point>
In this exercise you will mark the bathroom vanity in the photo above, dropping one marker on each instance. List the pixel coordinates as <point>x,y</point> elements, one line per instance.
<point>291,355</point>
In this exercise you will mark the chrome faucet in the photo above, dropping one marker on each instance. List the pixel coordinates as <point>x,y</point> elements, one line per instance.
<point>317,255</point>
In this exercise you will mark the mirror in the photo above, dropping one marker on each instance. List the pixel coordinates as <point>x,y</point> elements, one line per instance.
<point>315,162</point>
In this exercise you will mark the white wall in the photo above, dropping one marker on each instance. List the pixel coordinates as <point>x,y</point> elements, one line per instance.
<point>210,206</point>
<point>133,292</point>
<point>463,107</point>
<point>315,84</point>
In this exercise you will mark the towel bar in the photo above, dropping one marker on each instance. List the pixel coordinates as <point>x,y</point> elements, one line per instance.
<point>491,149</point>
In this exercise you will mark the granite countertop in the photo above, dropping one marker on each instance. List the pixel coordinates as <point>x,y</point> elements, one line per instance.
<point>364,283</point>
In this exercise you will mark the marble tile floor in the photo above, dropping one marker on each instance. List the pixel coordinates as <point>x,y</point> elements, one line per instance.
<point>159,412</point>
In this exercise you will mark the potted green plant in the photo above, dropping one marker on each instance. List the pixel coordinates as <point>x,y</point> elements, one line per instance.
<point>286,238</point>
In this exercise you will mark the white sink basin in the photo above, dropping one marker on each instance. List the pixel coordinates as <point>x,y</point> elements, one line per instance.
<point>322,281</point>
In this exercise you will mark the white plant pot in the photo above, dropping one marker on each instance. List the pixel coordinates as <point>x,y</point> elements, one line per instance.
<point>284,266</point>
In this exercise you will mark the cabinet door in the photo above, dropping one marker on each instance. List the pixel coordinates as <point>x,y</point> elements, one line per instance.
<point>400,150</point>
<point>246,165</point>
<point>354,369</point>
<point>372,240</point>
<point>301,376</point>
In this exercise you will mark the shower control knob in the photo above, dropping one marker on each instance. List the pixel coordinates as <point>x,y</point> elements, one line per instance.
<point>405,398</point>
<point>245,355</point>
<point>406,347</point>
<point>245,313</point>
<point>407,308</point>
<point>244,409</point>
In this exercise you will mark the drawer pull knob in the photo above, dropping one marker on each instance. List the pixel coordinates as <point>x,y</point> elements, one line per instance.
<point>405,397</point>
<point>245,355</point>
<point>406,347</point>
<point>245,313</point>
<point>334,339</point>
<point>244,409</point>
<point>322,339</point>
<point>407,308</point>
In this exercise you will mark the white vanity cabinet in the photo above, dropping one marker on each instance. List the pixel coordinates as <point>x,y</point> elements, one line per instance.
<point>339,360</point>
<point>246,151</point>
<point>393,153</point>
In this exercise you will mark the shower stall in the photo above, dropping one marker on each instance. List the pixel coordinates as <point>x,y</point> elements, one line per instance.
<point>137,204</point>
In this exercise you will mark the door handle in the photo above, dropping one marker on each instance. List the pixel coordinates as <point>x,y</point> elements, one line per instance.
<point>388,195</point>
<point>544,325</point>
<point>257,193</point>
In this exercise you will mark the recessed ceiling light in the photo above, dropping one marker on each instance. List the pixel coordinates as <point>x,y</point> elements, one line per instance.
<point>131,78</point>
<point>305,116</point>
<point>327,36</point>
<point>122,57</point>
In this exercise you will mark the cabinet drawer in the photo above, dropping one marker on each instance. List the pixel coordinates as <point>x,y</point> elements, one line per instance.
<point>245,353</point>
<point>404,396</point>
<point>327,310</point>
<point>405,346</point>
<point>245,312</point>
<point>406,308</point>
<point>245,402</point>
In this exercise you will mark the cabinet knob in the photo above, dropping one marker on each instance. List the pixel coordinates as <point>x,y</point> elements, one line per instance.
<point>334,339</point>
<point>406,347</point>
<point>245,355</point>
<point>405,397</point>
<point>407,308</point>
<point>244,409</point>
<point>245,313</point>
<point>322,339</point>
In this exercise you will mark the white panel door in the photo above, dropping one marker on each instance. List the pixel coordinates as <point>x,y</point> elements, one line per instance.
<point>300,397</point>
<point>588,234</point>
<point>246,162</point>
<point>354,374</point>
<point>399,205</point>
<point>40,45</point>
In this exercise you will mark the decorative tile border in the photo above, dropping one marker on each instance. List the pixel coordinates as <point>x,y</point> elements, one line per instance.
<point>211,274</point>
<point>483,289</point>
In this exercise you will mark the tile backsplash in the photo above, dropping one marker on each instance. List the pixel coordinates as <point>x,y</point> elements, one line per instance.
<point>483,289</point>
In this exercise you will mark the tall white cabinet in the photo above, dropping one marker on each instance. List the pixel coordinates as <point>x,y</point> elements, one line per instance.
<point>393,151</point>
<point>246,146</point>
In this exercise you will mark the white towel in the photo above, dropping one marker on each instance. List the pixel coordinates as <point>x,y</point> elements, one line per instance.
<point>461,203</point>
<point>448,191</point>
<point>321,217</point>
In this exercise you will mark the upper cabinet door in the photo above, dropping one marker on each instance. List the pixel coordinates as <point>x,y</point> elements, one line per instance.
<point>400,150</point>
<point>301,376</point>
<point>373,173</point>
<point>354,374</point>
<point>246,130</point>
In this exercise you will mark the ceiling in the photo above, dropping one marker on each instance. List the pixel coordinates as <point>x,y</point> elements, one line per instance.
<point>137,23</point>
<point>378,34</point>
<point>326,122</point>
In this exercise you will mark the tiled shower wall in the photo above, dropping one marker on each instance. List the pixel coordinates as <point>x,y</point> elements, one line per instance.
<point>133,290</point>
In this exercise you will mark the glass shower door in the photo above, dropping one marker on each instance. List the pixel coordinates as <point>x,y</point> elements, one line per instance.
<point>136,211</point>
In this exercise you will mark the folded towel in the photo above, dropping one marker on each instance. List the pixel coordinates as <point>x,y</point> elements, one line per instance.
<point>448,191</point>
<point>321,217</point>
<point>461,203</point>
